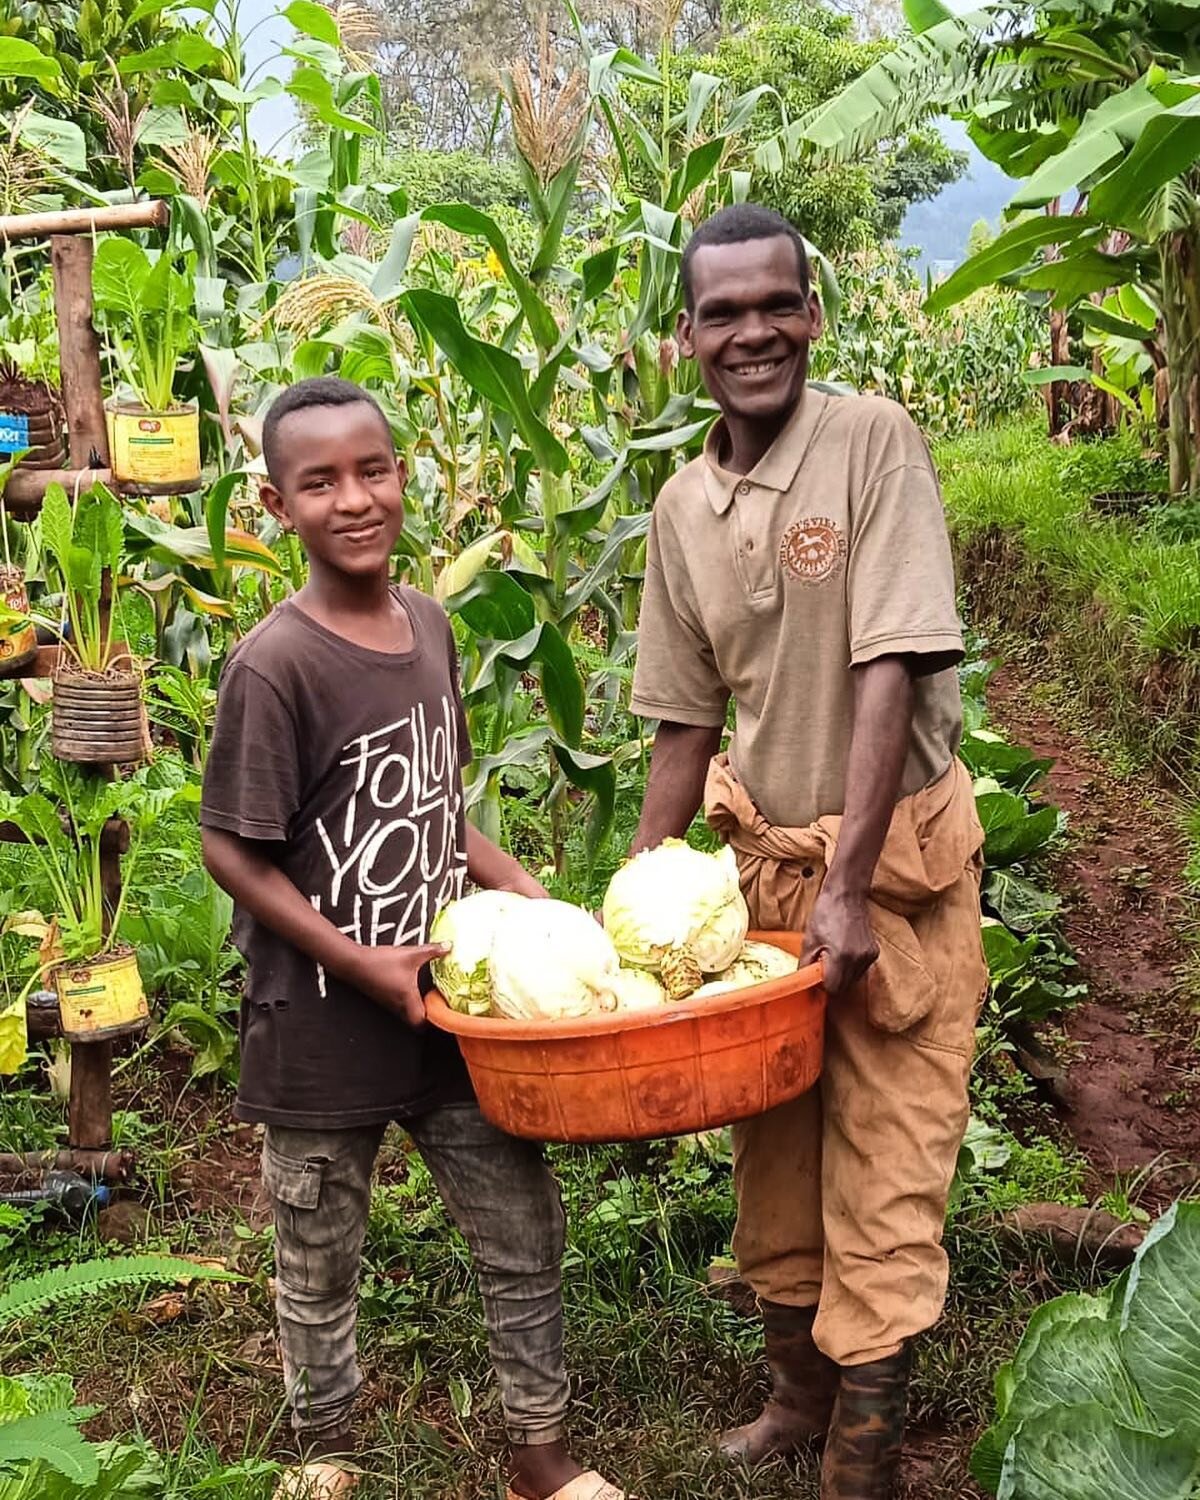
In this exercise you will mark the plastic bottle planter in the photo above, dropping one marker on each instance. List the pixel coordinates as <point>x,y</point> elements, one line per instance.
<point>18,644</point>
<point>97,718</point>
<point>154,452</point>
<point>101,997</point>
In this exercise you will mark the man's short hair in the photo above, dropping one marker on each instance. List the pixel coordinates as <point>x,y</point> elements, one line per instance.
<point>318,390</point>
<point>733,226</point>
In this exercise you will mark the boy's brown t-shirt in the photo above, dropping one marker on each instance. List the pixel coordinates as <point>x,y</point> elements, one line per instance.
<point>345,765</point>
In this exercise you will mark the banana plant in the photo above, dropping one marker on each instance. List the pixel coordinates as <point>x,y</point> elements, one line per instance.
<point>1102,100</point>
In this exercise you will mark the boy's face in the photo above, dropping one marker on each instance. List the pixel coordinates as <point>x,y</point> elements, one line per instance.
<point>340,486</point>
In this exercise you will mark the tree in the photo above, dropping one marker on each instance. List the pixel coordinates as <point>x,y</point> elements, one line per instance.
<point>1095,96</point>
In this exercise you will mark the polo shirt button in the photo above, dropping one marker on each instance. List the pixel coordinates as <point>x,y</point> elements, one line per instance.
<point>743,489</point>
<point>749,546</point>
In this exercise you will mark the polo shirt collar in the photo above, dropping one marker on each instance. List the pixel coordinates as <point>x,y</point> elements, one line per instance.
<point>779,465</point>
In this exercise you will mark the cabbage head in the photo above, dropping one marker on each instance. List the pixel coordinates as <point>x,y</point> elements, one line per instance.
<point>675,900</point>
<point>464,976</point>
<point>552,961</point>
<point>638,989</point>
<point>757,962</point>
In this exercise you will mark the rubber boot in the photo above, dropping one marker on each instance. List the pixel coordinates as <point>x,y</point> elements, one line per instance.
<point>862,1454</point>
<point>804,1387</point>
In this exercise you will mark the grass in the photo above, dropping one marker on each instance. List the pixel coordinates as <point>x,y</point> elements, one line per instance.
<point>659,1362</point>
<point>1144,571</point>
<point>1107,607</point>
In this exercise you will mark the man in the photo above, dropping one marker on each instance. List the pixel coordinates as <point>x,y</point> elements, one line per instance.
<point>801,567</point>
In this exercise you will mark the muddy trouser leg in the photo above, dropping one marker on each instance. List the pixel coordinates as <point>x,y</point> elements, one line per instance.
<point>842,1194</point>
<point>319,1182</point>
<point>506,1202</point>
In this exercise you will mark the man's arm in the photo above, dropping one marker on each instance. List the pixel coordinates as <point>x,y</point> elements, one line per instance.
<point>387,974</point>
<point>839,929</point>
<point>489,867</point>
<point>675,786</point>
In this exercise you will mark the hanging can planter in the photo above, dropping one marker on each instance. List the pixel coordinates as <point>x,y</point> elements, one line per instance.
<point>18,644</point>
<point>101,997</point>
<point>154,452</point>
<point>97,718</point>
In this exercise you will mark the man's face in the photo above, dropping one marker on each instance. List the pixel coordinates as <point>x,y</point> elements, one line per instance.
<point>341,488</point>
<point>750,326</point>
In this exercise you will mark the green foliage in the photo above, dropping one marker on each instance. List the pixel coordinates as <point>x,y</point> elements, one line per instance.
<point>33,1294</point>
<point>80,541</point>
<point>951,372</point>
<point>1149,586</point>
<point>147,310</point>
<point>1101,1398</point>
<point>454,177</point>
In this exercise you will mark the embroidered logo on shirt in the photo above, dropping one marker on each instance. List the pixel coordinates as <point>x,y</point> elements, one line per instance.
<point>812,550</point>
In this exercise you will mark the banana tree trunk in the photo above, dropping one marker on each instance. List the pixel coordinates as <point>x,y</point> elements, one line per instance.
<point>1179,263</point>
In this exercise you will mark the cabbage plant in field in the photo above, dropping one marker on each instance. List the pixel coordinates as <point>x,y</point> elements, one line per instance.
<point>1102,1399</point>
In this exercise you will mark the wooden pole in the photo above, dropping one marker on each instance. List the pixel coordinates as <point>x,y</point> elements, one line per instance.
<point>89,1111</point>
<point>26,488</point>
<point>154,214</point>
<point>108,1166</point>
<point>79,352</point>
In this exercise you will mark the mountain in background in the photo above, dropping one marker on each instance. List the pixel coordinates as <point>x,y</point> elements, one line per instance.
<point>939,227</point>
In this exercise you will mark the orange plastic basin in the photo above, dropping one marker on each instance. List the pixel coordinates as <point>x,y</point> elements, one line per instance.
<point>629,1076</point>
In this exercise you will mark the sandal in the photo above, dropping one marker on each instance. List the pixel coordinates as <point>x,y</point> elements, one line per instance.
<point>316,1481</point>
<point>589,1486</point>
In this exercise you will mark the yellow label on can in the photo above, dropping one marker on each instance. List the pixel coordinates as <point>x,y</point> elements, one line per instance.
<point>155,447</point>
<point>22,643</point>
<point>94,996</point>
<point>16,639</point>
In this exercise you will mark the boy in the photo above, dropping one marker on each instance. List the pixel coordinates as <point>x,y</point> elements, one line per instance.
<point>333,814</point>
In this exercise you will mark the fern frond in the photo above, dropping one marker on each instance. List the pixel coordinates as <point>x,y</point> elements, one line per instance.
<point>58,1284</point>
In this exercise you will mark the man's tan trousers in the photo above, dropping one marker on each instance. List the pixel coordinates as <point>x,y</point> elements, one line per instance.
<point>842,1193</point>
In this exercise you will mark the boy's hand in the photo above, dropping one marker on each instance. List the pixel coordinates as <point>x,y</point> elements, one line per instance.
<point>522,883</point>
<point>390,976</point>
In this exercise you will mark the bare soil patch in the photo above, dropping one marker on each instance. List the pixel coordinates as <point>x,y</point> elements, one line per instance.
<point>1131,1093</point>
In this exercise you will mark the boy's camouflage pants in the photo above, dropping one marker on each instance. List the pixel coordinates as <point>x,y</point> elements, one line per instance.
<point>505,1201</point>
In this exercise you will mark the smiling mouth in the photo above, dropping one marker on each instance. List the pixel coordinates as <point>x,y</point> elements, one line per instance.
<point>755,367</point>
<point>362,533</point>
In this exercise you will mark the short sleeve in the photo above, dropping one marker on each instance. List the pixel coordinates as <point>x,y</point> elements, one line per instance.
<point>676,676</point>
<point>252,775</point>
<point>900,573</point>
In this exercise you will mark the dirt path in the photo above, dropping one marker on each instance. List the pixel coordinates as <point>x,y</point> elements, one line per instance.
<point>1131,1094</point>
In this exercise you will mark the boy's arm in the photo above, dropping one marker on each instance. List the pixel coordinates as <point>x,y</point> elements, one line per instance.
<point>388,975</point>
<point>489,867</point>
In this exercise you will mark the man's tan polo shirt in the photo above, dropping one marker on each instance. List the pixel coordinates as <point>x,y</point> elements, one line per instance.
<point>769,587</point>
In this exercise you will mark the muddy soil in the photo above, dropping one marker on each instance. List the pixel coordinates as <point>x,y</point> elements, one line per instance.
<point>1131,1091</point>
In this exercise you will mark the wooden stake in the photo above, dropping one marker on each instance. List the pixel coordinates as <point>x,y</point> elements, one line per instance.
<point>79,352</point>
<point>90,1107</point>
<point>151,215</point>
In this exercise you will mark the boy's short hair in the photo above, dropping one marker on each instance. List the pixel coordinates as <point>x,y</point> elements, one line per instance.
<point>318,390</point>
<point>734,225</point>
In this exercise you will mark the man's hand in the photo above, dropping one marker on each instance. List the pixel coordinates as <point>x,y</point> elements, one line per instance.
<point>839,933</point>
<point>389,976</point>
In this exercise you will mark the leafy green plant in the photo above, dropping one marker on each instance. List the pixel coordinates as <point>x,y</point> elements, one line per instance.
<point>147,310</point>
<point>1102,1398</point>
<point>66,846</point>
<point>42,1454</point>
<point>80,541</point>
